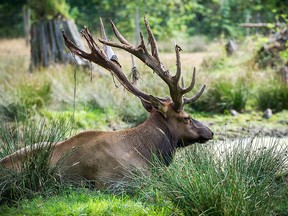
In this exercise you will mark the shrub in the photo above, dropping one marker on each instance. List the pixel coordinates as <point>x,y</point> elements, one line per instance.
<point>223,95</point>
<point>12,112</point>
<point>27,99</point>
<point>273,95</point>
<point>215,63</point>
<point>32,96</point>
<point>268,58</point>
<point>34,174</point>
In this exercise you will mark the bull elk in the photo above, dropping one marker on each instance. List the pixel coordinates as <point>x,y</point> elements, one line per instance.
<point>105,155</point>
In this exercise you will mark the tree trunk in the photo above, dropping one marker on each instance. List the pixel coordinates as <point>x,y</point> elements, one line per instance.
<point>47,44</point>
<point>27,24</point>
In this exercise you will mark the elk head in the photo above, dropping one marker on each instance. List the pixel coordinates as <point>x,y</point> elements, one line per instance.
<point>186,129</point>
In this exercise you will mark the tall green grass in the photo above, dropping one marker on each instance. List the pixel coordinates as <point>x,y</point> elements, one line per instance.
<point>273,95</point>
<point>34,175</point>
<point>224,95</point>
<point>24,101</point>
<point>244,179</point>
<point>34,96</point>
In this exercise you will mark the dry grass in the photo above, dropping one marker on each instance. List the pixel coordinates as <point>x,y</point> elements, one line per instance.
<point>18,48</point>
<point>14,48</point>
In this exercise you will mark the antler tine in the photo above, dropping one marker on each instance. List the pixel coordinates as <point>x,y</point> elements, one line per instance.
<point>152,41</point>
<point>96,55</point>
<point>107,49</point>
<point>191,86</point>
<point>89,39</point>
<point>118,34</point>
<point>178,63</point>
<point>124,43</point>
<point>142,44</point>
<point>195,97</point>
<point>73,48</point>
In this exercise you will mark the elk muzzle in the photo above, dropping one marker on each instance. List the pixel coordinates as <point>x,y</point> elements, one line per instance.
<point>203,131</point>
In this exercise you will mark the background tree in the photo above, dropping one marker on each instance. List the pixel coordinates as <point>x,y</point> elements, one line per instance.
<point>168,18</point>
<point>11,24</point>
<point>47,45</point>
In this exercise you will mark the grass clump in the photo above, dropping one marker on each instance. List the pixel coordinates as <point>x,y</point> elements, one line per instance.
<point>223,95</point>
<point>242,180</point>
<point>32,96</point>
<point>22,103</point>
<point>33,175</point>
<point>13,112</point>
<point>273,95</point>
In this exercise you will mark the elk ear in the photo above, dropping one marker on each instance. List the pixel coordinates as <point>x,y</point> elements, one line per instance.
<point>158,105</point>
<point>146,104</point>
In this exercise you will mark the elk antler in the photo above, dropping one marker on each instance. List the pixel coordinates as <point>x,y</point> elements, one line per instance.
<point>100,58</point>
<point>152,60</point>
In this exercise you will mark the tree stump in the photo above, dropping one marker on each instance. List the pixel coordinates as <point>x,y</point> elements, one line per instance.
<point>230,47</point>
<point>283,74</point>
<point>47,44</point>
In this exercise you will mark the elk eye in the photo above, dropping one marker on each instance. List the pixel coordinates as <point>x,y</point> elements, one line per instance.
<point>187,120</point>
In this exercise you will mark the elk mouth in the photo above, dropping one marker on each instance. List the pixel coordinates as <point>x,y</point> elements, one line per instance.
<point>184,143</point>
<point>206,139</point>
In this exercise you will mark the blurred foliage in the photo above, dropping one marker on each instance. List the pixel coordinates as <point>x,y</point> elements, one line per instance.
<point>224,95</point>
<point>273,95</point>
<point>284,54</point>
<point>35,96</point>
<point>11,23</point>
<point>48,9</point>
<point>28,98</point>
<point>167,17</point>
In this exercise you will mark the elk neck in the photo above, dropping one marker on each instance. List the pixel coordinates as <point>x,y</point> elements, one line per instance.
<point>155,138</point>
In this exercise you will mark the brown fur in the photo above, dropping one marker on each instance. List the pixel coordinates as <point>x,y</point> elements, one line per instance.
<point>104,156</point>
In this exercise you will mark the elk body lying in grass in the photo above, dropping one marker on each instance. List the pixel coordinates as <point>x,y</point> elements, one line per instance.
<point>103,156</point>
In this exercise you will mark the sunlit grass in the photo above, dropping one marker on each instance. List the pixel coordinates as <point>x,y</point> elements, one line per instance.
<point>84,202</point>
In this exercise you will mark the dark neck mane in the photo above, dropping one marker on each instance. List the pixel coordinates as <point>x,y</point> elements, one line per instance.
<point>155,138</point>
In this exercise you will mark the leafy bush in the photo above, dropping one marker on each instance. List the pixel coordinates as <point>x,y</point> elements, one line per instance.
<point>223,95</point>
<point>32,96</point>
<point>273,95</point>
<point>215,63</point>
<point>265,58</point>
<point>27,99</point>
<point>12,112</point>
<point>284,54</point>
<point>240,180</point>
<point>49,9</point>
<point>34,175</point>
